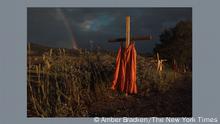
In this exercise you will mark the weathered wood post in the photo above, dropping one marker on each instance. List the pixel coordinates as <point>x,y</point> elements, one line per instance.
<point>128,33</point>
<point>127,43</point>
<point>174,68</point>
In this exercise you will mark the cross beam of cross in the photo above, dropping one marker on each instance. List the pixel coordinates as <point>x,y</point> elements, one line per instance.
<point>136,38</point>
<point>128,38</point>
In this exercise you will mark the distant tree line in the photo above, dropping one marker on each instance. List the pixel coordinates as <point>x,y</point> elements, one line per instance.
<point>176,43</point>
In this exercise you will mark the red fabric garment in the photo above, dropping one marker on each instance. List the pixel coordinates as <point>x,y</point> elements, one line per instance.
<point>125,70</point>
<point>117,67</point>
<point>133,88</point>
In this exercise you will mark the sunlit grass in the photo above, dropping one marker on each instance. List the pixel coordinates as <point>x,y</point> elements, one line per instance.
<point>62,85</point>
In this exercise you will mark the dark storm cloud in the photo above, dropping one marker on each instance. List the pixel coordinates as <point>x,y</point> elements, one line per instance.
<point>98,25</point>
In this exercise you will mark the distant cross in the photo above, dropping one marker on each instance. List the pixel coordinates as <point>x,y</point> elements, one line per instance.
<point>160,64</point>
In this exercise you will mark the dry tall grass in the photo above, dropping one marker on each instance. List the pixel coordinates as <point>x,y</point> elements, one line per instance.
<point>62,85</point>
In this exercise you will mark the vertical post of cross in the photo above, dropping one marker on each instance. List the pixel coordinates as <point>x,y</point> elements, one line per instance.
<point>127,39</point>
<point>127,31</point>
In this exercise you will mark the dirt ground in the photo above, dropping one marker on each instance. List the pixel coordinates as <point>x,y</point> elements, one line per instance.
<point>177,102</point>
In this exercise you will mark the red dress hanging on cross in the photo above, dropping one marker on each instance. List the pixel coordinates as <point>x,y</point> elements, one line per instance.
<point>125,68</point>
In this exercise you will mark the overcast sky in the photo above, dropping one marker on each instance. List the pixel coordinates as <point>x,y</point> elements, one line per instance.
<point>61,27</point>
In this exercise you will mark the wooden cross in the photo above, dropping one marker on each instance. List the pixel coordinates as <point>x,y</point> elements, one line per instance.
<point>160,63</point>
<point>127,40</point>
<point>128,37</point>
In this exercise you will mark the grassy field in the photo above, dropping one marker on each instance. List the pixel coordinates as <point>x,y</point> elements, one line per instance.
<point>65,83</point>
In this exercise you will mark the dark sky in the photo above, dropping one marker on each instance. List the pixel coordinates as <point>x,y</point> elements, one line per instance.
<point>90,27</point>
